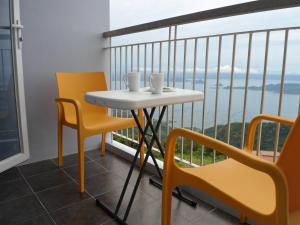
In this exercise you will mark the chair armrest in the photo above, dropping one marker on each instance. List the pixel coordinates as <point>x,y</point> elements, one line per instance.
<point>239,155</point>
<point>77,106</point>
<point>256,121</point>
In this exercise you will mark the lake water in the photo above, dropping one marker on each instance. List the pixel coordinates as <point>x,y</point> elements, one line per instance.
<point>290,103</point>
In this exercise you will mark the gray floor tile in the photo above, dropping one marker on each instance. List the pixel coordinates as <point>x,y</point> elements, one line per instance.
<point>96,155</point>
<point>84,213</point>
<point>38,167</point>
<point>20,210</point>
<point>14,190</point>
<point>70,160</point>
<point>61,196</point>
<point>40,220</point>
<point>111,199</point>
<point>189,212</point>
<point>151,215</point>
<point>102,183</point>
<point>48,179</point>
<point>90,169</point>
<point>10,175</point>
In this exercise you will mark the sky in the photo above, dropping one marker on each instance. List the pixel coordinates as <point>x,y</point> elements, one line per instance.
<point>137,11</point>
<point>125,13</point>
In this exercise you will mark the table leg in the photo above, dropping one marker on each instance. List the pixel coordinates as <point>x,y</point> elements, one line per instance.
<point>143,138</point>
<point>149,152</point>
<point>178,192</point>
<point>114,214</point>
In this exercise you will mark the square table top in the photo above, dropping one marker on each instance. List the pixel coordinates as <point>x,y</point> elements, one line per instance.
<point>124,99</point>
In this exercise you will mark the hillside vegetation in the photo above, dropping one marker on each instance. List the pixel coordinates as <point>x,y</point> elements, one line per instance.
<point>267,143</point>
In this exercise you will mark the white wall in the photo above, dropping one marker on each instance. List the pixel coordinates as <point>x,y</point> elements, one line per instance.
<point>59,35</point>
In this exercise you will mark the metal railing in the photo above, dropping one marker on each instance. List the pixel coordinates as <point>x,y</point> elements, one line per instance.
<point>212,116</point>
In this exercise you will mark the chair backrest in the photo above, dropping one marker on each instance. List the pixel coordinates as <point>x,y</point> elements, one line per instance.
<point>289,162</point>
<point>74,85</point>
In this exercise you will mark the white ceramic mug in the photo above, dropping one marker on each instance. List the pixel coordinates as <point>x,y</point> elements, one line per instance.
<point>156,83</point>
<point>132,81</point>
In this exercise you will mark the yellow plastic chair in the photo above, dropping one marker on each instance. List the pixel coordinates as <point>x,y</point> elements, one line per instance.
<point>266,192</point>
<point>87,119</point>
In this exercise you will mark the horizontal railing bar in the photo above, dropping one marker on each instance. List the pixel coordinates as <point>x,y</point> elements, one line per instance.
<point>222,12</point>
<point>211,36</point>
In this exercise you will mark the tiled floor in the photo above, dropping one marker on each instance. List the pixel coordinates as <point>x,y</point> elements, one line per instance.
<point>42,194</point>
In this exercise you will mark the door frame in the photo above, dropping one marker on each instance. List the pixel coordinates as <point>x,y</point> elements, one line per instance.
<point>16,44</point>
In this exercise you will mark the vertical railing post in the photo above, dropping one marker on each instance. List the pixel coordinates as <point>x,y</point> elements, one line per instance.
<point>131,68</point>
<point>263,90</point>
<point>110,81</point>
<point>152,57</point>
<point>138,59</point>
<point>217,92</point>
<point>183,86</point>
<point>126,71</point>
<point>193,104</point>
<point>160,70</point>
<point>145,65</point>
<point>110,66</point>
<point>168,75</point>
<point>246,89</point>
<point>204,100</point>
<point>174,69</point>
<point>122,131</point>
<point>231,88</point>
<point>160,56</point>
<point>115,68</point>
<point>276,142</point>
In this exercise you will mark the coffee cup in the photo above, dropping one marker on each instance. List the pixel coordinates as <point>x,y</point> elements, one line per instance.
<point>156,83</point>
<point>132,81</point>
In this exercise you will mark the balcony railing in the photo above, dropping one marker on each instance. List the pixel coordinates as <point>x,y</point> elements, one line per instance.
<point>220,65</point>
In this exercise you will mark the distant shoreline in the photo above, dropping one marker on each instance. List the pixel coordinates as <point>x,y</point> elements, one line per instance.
<point>288,88</point>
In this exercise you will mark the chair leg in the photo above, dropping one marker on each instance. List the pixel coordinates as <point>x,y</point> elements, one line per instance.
<point>166,205</point>
<point>60,144</point>
<point>243,218</point>
<point>103,142</point>
<point>81,161</point>
<point>142,152</point>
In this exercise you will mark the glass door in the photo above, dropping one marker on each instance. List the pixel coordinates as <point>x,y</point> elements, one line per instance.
<point>13,128</point>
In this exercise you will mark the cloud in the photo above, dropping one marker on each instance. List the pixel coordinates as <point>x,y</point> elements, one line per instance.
<point>223,69</point>
<point>227,69</point>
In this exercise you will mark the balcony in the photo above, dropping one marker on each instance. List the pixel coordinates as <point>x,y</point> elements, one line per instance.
<point>52,195</point>
<point>241,73</point>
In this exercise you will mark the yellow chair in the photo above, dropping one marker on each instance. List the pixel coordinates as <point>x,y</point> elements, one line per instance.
<point>266,192</point>
<point>87,119</point>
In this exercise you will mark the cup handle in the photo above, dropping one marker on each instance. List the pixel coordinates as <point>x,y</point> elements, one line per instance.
<point>125,79</point>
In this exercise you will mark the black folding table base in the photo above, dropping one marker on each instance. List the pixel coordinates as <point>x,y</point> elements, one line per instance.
<point>154,138</point>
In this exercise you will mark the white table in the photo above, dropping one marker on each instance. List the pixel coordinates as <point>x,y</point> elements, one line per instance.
<point>143,99</point>
<point>123,99</point>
